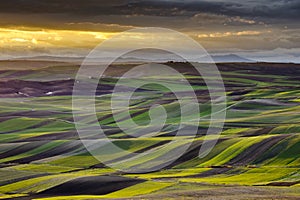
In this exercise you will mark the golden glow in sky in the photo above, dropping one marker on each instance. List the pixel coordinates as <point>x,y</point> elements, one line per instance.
<point>27,38</point>
<point>19,41</point>
<point>227,34</point>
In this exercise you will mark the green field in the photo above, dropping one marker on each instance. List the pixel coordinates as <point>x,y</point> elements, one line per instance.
<point>256,157</point>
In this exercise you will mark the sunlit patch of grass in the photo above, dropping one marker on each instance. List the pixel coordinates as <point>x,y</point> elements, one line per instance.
<point>19,124</point>
<point>8,174</point>
<point>286,129</point>
<point>77,161</point>
<point>43,168</point>
<point>37,150</point>
<point>256,176</point>
<point>11,196</point>
<point>170,173</point>
<point>77,197</point>
<point>140,189</point>
<point>35,185</point>
<point>288,156</point>
<point>234,131</point>
<point>232,151</point>
<point>132,191</point>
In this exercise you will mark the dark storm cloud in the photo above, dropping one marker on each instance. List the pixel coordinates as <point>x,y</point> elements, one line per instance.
<point>279,9</point>
<point>217,24</point>
<point>250,8</point>
<point>97,14</point>
<point>75,7</point>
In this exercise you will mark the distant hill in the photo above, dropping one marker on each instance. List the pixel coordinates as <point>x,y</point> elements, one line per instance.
<point>53,58</point>
<point>143,58</point>
<point>230,58</point>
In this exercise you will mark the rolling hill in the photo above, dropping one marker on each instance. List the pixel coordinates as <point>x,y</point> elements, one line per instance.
<point>256,157</point>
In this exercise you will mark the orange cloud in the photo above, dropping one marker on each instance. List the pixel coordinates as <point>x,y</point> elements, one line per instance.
<point>228,34</point>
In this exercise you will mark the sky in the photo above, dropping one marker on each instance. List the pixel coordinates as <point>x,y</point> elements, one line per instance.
<point>265,30</point>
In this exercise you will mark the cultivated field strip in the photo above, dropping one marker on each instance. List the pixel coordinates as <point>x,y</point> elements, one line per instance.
<point>42,157</point>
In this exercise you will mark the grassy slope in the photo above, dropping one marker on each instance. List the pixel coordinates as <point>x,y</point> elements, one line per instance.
<point>25,123</point>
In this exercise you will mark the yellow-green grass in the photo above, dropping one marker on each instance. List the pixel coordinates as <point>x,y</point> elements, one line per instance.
<point>279,163</point>
<point>233,131</point>
<point>7,138</point>
<point>286,129</point>
<point>34,133</point>
<point>86,159</point>
<point>170,173</point>
<point>37,150</point>
<point>288,156</point>
<point>147,159</point>
<point>256,176</point>
<point>147,187</point>
<point>271,118</point>
<point>233,150</point>
<point>8,174</point>
<point>11,196</point>
<point>35,185</point>
<point>193,163</point>
<point>54,125</point>
<point>74,197</point>
<point>77,161</point>
<point>43,168</point>
<point>140,189</point>
<point>19,124</point>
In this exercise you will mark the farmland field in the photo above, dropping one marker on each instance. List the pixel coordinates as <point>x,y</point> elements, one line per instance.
<point>257,155</point>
